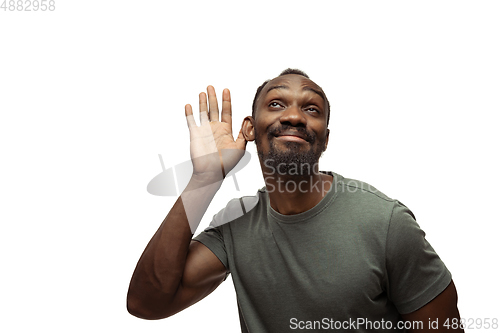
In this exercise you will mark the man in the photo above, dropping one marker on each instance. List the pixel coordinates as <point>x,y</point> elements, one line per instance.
<point>312,250</point>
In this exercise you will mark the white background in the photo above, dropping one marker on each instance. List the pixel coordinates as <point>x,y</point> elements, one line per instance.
<point>92,92</point>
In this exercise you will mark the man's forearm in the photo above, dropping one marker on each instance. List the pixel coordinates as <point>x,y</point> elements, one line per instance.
<point>159,271</point>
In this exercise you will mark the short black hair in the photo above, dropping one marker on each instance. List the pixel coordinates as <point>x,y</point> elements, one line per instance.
<point>286,72</point>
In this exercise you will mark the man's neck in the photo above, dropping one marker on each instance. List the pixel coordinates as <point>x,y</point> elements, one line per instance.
<point>289,195</point>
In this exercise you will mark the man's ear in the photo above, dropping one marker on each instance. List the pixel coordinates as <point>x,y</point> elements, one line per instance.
<point>326,139</point>
<point>248,129</point>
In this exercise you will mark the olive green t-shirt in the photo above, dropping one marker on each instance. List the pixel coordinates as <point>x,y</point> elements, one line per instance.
<point>352,263</point>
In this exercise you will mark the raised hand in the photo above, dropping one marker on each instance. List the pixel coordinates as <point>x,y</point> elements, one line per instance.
<point>214,151</point>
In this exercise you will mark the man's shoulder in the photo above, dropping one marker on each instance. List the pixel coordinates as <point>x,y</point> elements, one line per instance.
<point>361,199</point>
<point>237,208</point>
<point>358,187</point>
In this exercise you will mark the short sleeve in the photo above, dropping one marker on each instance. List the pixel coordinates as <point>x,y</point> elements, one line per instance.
<point>415,273</point>
<point>213,239</point>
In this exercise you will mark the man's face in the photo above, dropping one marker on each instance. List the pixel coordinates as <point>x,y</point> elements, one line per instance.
<point>291,124</point>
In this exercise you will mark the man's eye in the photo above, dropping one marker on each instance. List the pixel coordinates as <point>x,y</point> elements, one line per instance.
<point>274,104</point>
<point>311,109</point>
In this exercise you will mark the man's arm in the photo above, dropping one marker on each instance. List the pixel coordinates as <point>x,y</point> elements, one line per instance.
<point>443,308</point>
<point>173,271</point>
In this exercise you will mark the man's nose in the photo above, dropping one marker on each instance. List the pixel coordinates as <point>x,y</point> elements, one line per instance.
<point>293,115</point>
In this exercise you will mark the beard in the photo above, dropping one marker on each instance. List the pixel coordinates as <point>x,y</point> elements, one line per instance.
<point>293,160</point>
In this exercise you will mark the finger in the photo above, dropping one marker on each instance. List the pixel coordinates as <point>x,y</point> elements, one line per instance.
<point>203,109</point>
<point>226,115</point>
<point>212,103</point>
<point>188,110</point>
<point>241,142</point>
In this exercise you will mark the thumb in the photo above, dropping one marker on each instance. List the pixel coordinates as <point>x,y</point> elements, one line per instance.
<point>241,142</point>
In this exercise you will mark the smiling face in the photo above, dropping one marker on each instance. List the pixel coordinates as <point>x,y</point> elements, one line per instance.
<point>290,125</point>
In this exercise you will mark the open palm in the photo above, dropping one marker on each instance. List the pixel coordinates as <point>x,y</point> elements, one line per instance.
<point>214,151</point>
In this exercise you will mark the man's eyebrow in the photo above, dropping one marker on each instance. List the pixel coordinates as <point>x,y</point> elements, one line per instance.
<point>319,92</point>
<point>276,87</point>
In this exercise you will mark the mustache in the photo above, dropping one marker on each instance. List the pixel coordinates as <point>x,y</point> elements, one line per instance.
<point>277,130</point>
